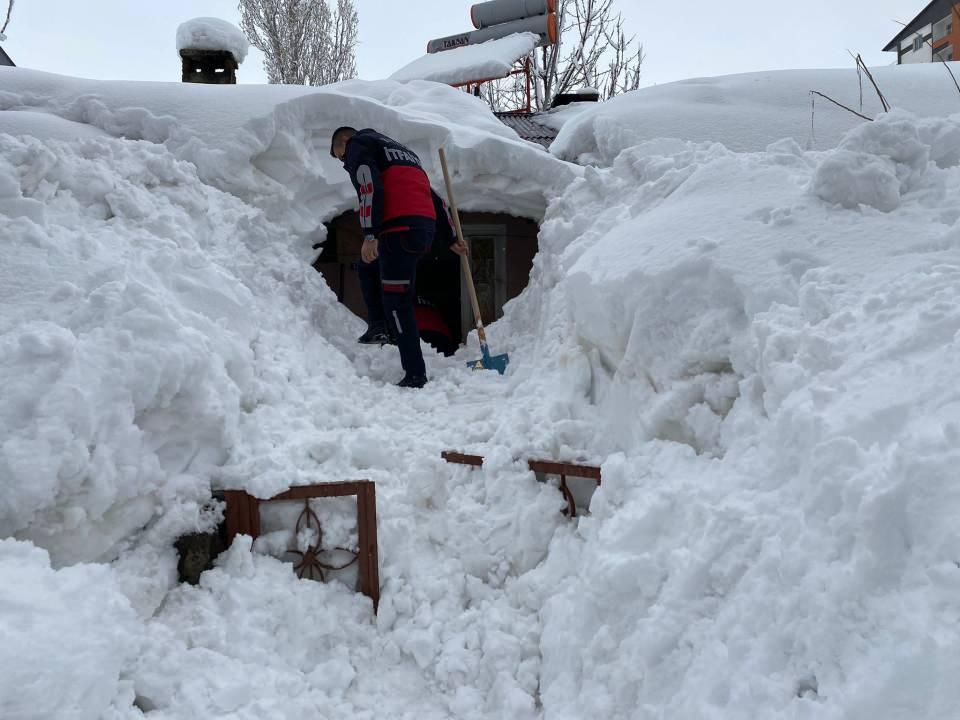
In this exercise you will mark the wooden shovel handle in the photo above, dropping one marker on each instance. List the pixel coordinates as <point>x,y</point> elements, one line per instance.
<point>464,261</point>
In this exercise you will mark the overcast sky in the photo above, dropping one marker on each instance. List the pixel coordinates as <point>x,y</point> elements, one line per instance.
<point>135,39</point>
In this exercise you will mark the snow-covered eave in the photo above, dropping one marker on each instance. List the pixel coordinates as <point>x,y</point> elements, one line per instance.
<point>269,145</point>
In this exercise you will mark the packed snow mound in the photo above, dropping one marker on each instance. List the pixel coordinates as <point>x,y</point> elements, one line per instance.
<point>486,61</point>
<point>269,145</point>
<point>46,126</point>
<point>748,112</point>
<point>68,638</point>
<point>124,348</point>
<point>773,357</point>
<point>758,347</point>
<point>208,33</point>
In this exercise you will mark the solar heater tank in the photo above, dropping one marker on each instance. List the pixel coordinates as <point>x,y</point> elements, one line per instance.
<point>543,25</point>
<point>496,12</point>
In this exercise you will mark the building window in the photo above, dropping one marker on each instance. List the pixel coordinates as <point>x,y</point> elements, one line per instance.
<point>917,43</point>
<point>945,54</point>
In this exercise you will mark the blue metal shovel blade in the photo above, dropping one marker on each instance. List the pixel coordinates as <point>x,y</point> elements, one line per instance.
<point>490,362</point>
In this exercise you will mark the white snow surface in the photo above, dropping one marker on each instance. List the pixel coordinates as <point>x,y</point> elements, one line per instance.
<point>210,33</point>
<point>747,112</point>
<point>486,61</point>
<point>758,345</point>
<point>46,126</point>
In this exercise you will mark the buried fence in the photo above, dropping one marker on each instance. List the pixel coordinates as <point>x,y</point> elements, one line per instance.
<point>542,468</point>
<point>243,516</point>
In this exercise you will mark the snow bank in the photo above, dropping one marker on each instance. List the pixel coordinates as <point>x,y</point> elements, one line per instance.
<point>270,145</point>
<point>68,637</point>
<point>486,61</point>
<point>759,347</point>
<point>162,334</point>
<point>771,356</point>
<point>124,349</point>
<point>748,112</point>
<point>208,33</point>
<point>129,340</point>
<point>46,126</point>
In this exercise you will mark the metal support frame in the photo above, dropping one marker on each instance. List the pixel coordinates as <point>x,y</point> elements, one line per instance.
<point>243,518</point>
<point>564,470</point>
<point>473,86</point>
<point>541,467</point>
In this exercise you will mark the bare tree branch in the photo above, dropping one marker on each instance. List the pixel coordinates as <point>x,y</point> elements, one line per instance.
<point>7,21</point>
<point>593,50</point>
<point>841,105</point>
<point>304,42</point>
<point>866,70</point>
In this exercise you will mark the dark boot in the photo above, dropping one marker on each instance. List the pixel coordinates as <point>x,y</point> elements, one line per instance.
<point>376,335</point>
<point>413,381</point>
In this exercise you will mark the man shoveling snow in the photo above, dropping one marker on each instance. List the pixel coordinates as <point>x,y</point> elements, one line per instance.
<point>398,207</point>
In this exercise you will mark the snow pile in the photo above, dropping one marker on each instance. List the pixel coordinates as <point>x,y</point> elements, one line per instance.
<point>124,350</point>
<point>208,33</point>
<point>748,112</point>
<point>773,372</point>
<point>270,145</point>
<point>879,162</point>
<point>162,333</point>
<point>69,636</point>
<point>470,63</point>
<point>44,125</point>
<point>759,346</point>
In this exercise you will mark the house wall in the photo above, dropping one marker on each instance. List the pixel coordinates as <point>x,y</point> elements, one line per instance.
<point>924,55</point>
<point>951,41</point>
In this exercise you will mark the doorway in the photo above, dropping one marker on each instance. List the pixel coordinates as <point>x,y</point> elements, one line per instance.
<point>502,249</point>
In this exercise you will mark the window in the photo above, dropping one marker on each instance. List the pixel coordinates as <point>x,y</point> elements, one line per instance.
<point>917,43</point>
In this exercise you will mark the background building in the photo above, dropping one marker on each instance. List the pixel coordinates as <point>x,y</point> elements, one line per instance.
<point>930,36</point>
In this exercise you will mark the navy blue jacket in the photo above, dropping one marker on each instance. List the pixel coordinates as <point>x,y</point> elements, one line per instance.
<point>393,189</point>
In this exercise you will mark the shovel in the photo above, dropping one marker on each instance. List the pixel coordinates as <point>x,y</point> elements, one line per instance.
<point>488,361</point>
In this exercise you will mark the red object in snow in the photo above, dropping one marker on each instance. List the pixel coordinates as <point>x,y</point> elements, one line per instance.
<point>430,320</point>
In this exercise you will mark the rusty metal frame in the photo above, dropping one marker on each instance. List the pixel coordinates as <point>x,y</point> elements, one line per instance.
<point>565,470</point>
<point>243,518</point>
<point>310,562</point>
<point>473,86</point>
<point>457,458</point>
<point>541,467</point>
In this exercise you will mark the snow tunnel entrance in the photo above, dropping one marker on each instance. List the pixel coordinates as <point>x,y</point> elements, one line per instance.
<point>502,252</point>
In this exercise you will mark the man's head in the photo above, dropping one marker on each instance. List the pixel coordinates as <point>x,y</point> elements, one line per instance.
<point>338,142</point>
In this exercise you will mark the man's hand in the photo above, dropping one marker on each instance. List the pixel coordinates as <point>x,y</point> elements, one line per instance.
<point>460,248</point>
<point>370,250</point>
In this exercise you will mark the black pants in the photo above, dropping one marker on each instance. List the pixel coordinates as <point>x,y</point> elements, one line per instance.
<point>389,287</point>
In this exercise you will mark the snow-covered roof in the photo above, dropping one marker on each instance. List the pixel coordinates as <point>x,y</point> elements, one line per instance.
<point>526,126</point>
<point>745,112</point>
<point>487,61</point>
<point>208,33</point>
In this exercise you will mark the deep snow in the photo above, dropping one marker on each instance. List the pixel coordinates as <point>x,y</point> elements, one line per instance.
<point>470,63</point>
<point>757,342</point>
<point>749,111</point>
<point>209,33</point>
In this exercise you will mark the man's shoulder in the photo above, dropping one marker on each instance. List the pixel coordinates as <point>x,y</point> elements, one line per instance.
<point>371,136</point>
<point>386,149</point>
